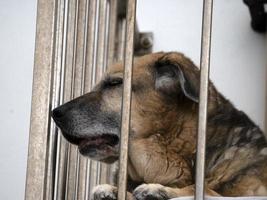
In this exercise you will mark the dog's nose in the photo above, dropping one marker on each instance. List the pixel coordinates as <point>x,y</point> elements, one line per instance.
<point>57,113</point>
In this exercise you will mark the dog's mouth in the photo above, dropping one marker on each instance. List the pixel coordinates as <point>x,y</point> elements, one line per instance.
<point>102,147</point>
<point>99,142</point>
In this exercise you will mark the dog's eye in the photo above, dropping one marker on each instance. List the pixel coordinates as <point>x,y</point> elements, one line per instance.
<point>113,82</point>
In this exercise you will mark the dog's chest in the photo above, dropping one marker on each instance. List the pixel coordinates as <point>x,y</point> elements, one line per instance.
<point>150,162</point>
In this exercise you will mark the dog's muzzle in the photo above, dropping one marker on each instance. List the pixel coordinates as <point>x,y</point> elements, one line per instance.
<point>83,124</point>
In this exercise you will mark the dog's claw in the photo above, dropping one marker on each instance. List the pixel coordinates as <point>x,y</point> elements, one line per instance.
<point>104,192</point>
<point>150,192</point>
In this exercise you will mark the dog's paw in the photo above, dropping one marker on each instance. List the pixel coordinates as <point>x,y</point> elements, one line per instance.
<point>104,192</point>
<point>150,192</point>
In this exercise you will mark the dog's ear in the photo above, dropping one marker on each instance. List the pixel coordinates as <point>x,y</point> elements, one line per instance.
<point>171,80</point>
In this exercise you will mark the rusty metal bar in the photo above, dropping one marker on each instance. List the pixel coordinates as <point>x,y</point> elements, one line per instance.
<point>203,100</point>
<point>126,102</point>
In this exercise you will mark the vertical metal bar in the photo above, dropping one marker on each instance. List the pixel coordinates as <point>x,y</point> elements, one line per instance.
<point>65,186</point>
<point>126,102</point>
<point>101,40</point>
<point>82,173</point>
<point>95,44</point>
<point>110,58</point>
<point>89,38</point>
<point>41,99</point>
<point>118,42</point>
<point>72,165</point>
<point>203,101</point>
<point>62,146</point>
<point>89,54</point>
<point>100,67</point>
<point>94,164</point>
<point>52,177</point>
<point>113,18</point>
<point>121,39</point>
<point>79,64</point>
<point>88,82</point>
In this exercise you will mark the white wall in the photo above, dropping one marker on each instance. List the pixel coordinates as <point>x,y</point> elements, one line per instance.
<point>238,54</point>
<point>238,66</point>
<point>17,30</point>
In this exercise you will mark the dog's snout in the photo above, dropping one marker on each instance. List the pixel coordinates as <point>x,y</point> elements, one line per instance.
<point>64,111</point>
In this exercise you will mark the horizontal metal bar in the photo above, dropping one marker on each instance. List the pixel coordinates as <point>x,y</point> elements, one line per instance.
<point>203,101</point>
<point>126,102</point>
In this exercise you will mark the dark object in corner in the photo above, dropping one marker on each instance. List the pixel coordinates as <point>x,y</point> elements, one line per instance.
<point>258,14</point>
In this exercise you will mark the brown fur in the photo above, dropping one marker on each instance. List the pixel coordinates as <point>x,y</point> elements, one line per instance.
<point>163,136</point>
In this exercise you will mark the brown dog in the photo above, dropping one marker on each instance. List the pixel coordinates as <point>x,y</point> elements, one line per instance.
<point>163,132</point>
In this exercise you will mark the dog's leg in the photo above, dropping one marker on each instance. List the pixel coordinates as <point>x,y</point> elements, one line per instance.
<point>160,192</point>
<point>106,192</point>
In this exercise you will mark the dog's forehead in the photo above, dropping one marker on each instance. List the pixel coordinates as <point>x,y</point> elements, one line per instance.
<point>143,63</point>
<point>140,66</point>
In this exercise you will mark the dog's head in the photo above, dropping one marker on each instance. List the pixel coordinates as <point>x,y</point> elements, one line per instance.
<point>164,86</point>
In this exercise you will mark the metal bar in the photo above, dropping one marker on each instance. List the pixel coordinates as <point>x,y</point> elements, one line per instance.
<point>72,160</point>
<point>61,156</point>
<point>113,18</point>
<point>101,40</point>
<point>121,39</point>
<point>79,90</point>
<point>203,101</point>
<point>110,58</point>
<point>126,102</point>
<point>89,58</point>
<point>62,168</point>
<point>82,170</point>
<point>88,81</point>
<point>100,66</point>
<point>53,156</point>
<point>41,99</point>
<point>94,164</point>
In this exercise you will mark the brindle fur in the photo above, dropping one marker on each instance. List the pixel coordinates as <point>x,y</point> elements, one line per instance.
<point>162,143</point>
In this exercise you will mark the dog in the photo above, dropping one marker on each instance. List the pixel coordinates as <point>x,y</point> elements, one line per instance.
<point>163,132</point>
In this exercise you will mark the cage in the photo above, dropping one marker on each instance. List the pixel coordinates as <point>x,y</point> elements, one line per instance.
<point>75,42</point>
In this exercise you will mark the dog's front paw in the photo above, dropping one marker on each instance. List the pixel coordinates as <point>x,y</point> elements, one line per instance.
<point>150,192</point>
<point>104,192</point>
